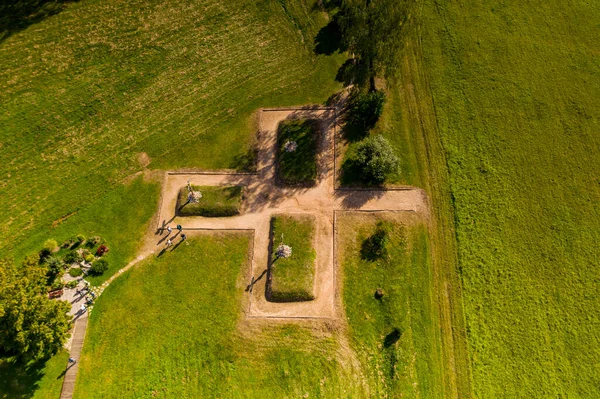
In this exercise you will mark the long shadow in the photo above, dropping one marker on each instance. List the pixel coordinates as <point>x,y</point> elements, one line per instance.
<point>18,15</point>
<point>177,245</point>
<point>329,39</point>
<point>255,280</point>
<point>355,199</point>
<point>164,225</point>
<point>61,375</point>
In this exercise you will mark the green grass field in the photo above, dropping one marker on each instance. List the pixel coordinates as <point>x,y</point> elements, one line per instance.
<point>215,201</point>
<point>38,380</point>
<point>516,88</point>
<point>94,92</point>
<point>299,166</point>
<point>172,327</point>
<point>292,279</point>
<point>396,337</point>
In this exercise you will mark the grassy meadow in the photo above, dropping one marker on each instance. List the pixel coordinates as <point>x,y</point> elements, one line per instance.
<point>215,201</point>
<point>292,279</point>
<point>516,88</point>
<point>172,327</point>
<point>396,337</point>
<point>94,91</point>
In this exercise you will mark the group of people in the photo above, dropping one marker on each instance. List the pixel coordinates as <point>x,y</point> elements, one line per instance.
<point>169,230</point>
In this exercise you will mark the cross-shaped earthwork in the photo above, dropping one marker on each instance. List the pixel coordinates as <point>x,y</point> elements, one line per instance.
<point>263,197</point>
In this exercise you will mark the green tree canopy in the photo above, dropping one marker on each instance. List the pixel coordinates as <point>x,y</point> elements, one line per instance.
<point>31,325</point>
<point>372,32</point>
<point>376,159</point>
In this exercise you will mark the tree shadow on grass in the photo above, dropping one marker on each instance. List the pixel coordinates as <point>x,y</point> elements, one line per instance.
<point>392,338</point>
<point>18,379</point>
<point>18,15</point>
<point>329,39</point>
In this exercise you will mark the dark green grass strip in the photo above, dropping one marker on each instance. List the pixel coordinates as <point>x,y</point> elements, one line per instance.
<point>215,201</point>
<point>300,166</point>
<point>292,279</point>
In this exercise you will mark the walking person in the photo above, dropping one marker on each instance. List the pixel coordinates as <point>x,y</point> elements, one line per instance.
<point>179,227</point>
<point>169,229</point>
<point>169,243</point>
<point>183,237</point>
<point>72,361</point>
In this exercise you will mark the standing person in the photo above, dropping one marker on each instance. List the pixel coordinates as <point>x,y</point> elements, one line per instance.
<point>83,308</point>
<point>179,227</point>
<point>169,243</point>
<point>183,237</point>
<point>169,229</point>
<point>72,361</point>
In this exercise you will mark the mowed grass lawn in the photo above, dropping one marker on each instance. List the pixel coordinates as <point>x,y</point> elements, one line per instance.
<point>100,89</point>
<point>298,166</point>
<point>292,279</point>
<point>215,201</point>
<point>397,337</point>
<point>172,327</point>
<point>516,88</point>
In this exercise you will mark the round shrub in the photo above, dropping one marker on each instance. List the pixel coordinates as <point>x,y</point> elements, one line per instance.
<point>90,258</point>
<point>99,266</point>
<point>72,284</point>
<point>50,245</point>
<point>375,159</point>
<point>48,248</point>
<point>75,272</point>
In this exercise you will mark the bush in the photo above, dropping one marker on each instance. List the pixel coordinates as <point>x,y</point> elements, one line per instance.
<point>375,160</point>
<point>375,247</point>
<point>364,110</point>
<point>48,248</point>
<point>55,265</point>
<point>72,283</point>
<point>75,272</point>
<point>90,258</point>
<point>99,266</point>
<point>73,257</point>
<point>80,238</point>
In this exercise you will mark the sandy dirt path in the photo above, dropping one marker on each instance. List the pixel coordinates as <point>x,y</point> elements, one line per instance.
<point>263,198</point>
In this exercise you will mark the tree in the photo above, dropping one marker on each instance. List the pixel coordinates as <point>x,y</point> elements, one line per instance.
<point>375,159</point>
<point>99,266</point>
<point>372,32</point>
<point>31,325</point>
